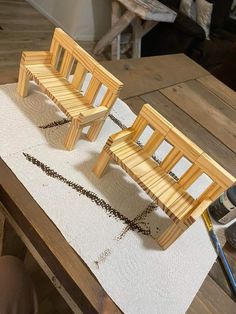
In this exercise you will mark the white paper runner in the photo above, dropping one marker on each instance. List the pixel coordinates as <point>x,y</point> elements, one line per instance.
<point>138,276</point>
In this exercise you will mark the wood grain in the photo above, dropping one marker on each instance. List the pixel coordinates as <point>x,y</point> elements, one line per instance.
<point>155,70</point>
<point>210,299</point>
<point>205,108</point>
<point>219,89</point>
<point>151,10</point>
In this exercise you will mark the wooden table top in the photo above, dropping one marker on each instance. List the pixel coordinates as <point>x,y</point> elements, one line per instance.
<point>188,96</point>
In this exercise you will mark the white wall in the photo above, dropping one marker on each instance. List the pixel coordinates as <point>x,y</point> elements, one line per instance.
<point>82,19</point>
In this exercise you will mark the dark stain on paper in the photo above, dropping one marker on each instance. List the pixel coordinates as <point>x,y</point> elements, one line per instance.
<point>110,211</point>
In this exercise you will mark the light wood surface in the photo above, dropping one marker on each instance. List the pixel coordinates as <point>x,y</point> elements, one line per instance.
<point>154,178</point>
<point>51,71</point>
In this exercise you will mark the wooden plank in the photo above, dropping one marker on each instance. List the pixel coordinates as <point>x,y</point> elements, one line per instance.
<point>217,273</point>
<point>155,70</point>
<point>205,140</point>
<point>115,46</point>
<point>219,89</point>
<point>211,299</point>
<point>150,10</point>
<point>117,28</point>
<point>51,245</point>
<point>205,108</point>
<point>137,36</point>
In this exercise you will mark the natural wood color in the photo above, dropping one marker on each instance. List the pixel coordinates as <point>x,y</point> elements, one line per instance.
<point>150,10</point>
<point>211,300</point>
<point>170,235</point>
<point>217,272</point>
<point>52,77</point>
<point>137,33</point>
<point>159,72</point>
<point>154,178</point>
<point>117,28</point>
<point>199,135</point>
<point>219,89</point>
<point>136,11</point>
<point>201,104</point>
<point>115,47</point>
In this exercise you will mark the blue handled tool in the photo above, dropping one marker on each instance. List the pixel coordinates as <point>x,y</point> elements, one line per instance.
<point>219,250</point>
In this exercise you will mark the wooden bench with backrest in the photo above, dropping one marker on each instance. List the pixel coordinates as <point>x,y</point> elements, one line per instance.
<point>51,70</point>
<point>156,177</point>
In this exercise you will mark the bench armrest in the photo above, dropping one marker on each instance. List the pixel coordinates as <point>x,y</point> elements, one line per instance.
<point>199,210</point>
<point>93,114</point>
<point>36,57</point>
<point>121,136</point>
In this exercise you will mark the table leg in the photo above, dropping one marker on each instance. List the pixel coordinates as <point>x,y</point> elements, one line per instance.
<point>115,46</point>
<point>116,29</point>
<point>137,35</point>
<point>139,30</point>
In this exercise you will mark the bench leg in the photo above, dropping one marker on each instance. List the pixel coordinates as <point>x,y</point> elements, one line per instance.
<point>23,82</point>
<point>73,134</point>
<point>94,130</point>
<point>170,235</point>
<point>101,163</point>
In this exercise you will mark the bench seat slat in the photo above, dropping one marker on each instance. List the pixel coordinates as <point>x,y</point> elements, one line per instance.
<point>153,179</point>
<point>70,101</point>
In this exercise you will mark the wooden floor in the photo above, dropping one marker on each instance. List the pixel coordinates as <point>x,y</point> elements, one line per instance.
<point>23,28</point>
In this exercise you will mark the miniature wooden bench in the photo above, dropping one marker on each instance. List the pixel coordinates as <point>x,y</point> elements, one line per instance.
<point>51,71</point>
<point>156,178</point>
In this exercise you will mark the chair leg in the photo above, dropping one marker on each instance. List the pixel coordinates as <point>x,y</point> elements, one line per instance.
<point>170,235</point>
<point>101,163</point>
<point>94,130</point>
<point>73,134</point>
<point>23,82</point>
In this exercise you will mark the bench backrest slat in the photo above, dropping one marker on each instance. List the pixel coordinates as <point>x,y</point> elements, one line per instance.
<point>79,76</point>
<point>201,163</point>
<point>85,64</point>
